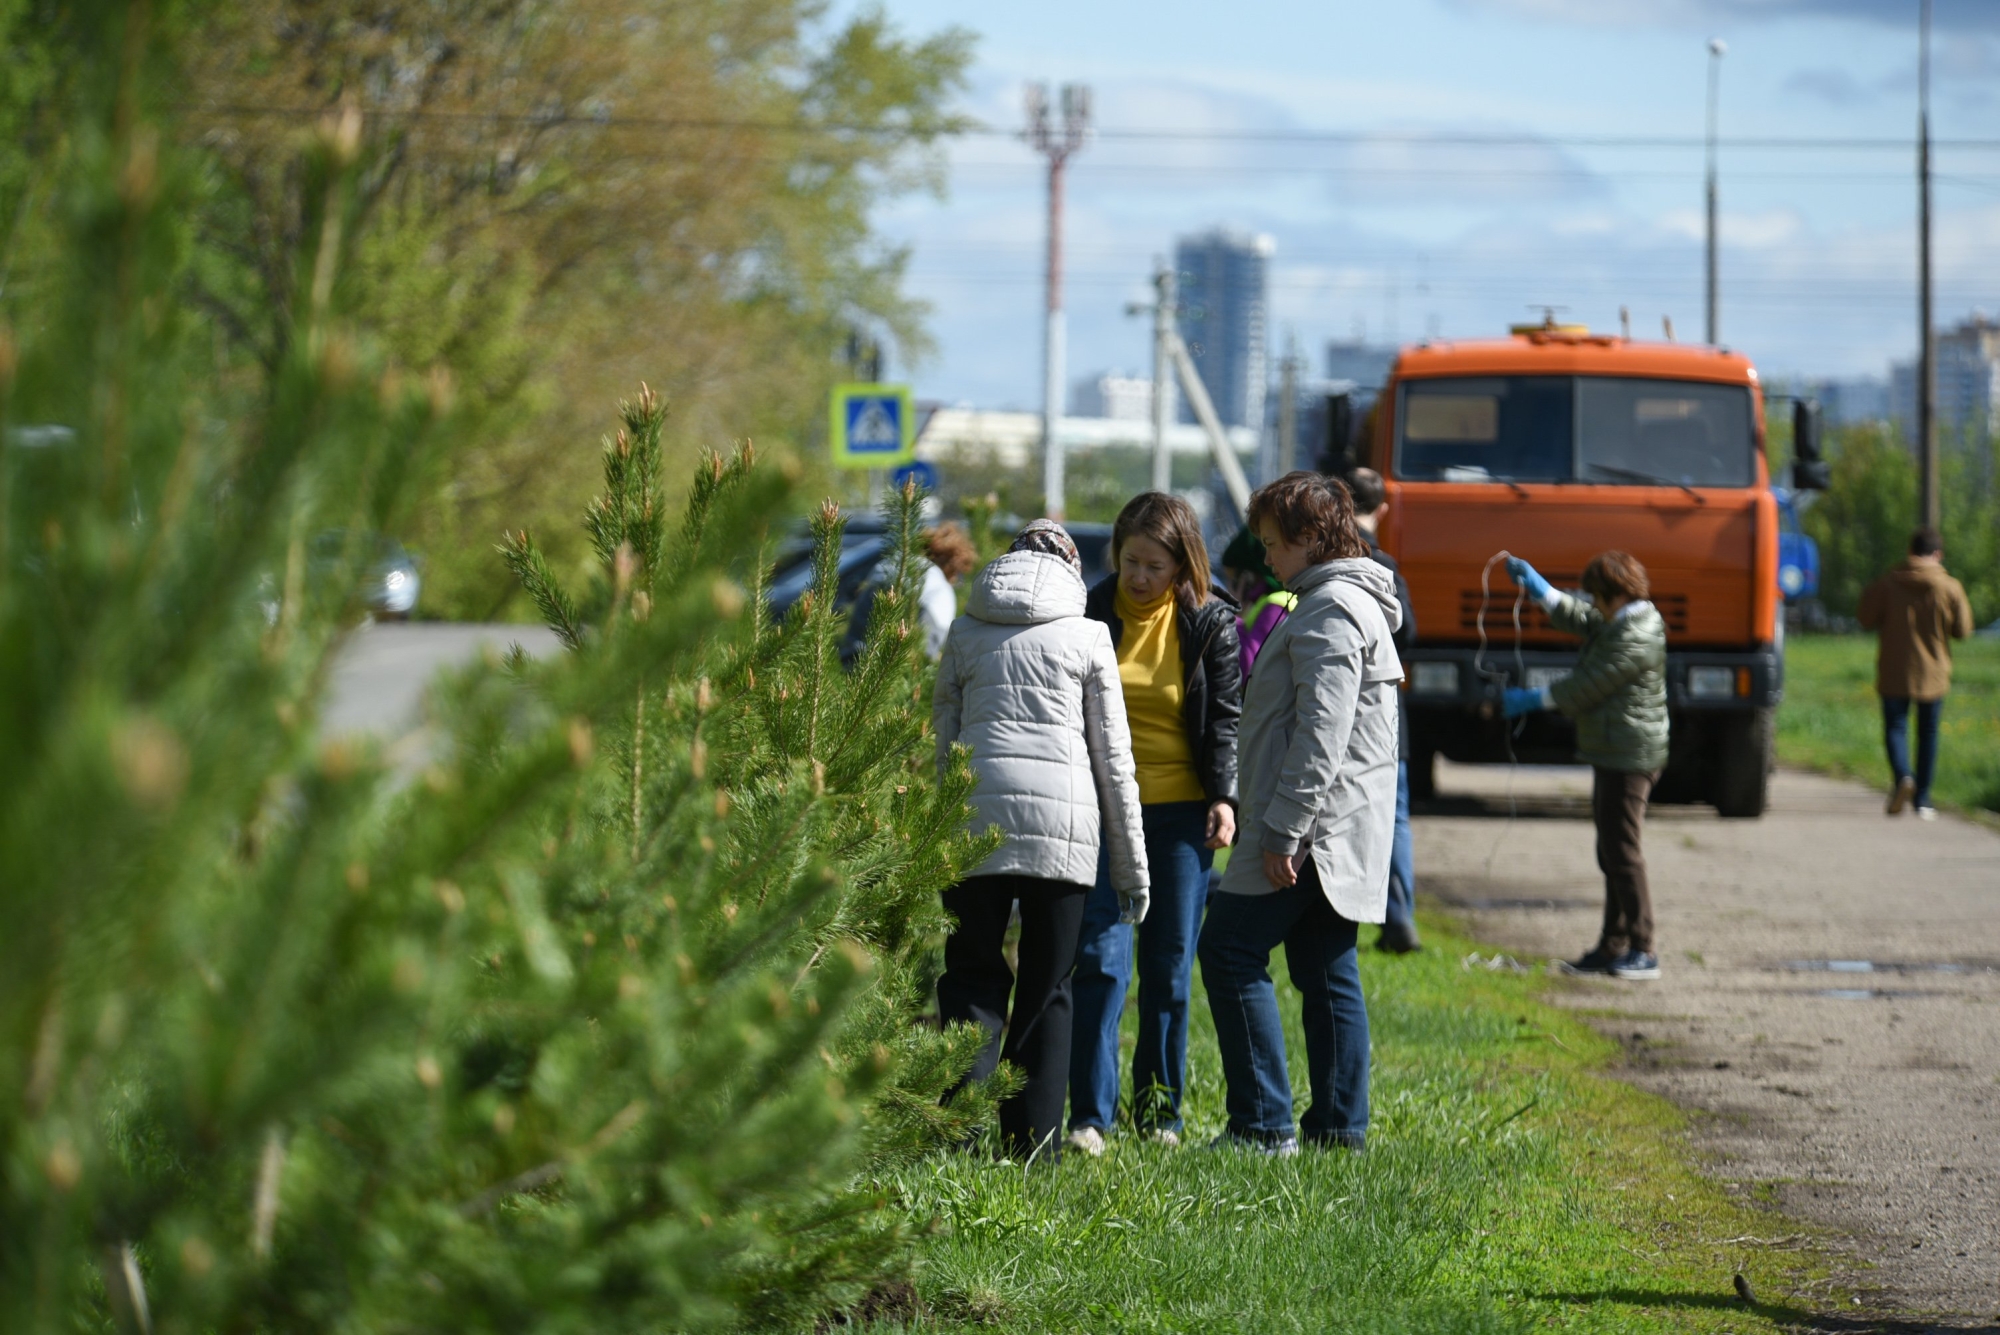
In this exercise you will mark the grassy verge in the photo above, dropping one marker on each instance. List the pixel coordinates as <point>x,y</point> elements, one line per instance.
<point>1509,1185</point>
<point>1832,720</point>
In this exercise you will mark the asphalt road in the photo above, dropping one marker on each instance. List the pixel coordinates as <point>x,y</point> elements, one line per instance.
<point>1830,1006</point>
<point>381,673</point>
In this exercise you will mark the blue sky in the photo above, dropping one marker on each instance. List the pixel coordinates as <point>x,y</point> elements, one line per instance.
<point>1414,232</point>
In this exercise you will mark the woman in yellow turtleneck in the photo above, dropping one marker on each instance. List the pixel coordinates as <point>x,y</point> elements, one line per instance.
<point>1181,669</point>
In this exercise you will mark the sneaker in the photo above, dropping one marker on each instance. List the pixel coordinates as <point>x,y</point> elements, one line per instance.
<point>1355,1142</point>
<point>1906,788</point>
<point>1926,812</point>
<point>1165,1136</point>
<point>1638,965</point>
<point>1277,1147</point>
<point>1398,938</point>
<point>1088,1140</point>
<point>1595,962</point>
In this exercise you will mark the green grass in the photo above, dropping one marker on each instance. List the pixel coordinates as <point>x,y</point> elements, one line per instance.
<point>1832,719</point>
<point>1510,1184</point>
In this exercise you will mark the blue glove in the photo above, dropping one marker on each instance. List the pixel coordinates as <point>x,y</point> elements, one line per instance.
<point>1528,578</point>
<point>1519,700</point>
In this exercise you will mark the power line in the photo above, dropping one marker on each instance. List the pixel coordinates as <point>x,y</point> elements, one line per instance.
<point>960,129</point>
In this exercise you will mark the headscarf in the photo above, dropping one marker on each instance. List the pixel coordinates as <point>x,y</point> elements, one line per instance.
<point>1050,539</point>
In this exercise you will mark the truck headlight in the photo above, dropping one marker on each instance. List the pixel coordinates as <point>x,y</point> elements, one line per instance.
<point>1434,678</point>
<point>1711,683</point>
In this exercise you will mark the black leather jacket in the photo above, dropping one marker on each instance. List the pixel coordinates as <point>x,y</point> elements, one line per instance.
<point>1212,679</point>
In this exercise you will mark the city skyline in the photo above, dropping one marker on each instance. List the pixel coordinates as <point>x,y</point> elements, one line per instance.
<point>1443,169</point>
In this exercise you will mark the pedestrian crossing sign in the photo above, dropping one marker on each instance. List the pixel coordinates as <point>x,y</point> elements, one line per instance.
<point>872,426</point>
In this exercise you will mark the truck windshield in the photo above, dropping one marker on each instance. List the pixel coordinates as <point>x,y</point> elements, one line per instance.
<point>1593,429</point>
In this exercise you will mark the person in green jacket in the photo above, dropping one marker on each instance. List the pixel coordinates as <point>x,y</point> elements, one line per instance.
<point>1617,696</point>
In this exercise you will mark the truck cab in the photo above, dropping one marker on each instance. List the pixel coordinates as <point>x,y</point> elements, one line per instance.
<point>1555,444</point>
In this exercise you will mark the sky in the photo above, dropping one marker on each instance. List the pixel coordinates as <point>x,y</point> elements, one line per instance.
<point>1446,167</point>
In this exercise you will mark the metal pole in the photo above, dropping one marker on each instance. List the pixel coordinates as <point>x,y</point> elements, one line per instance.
<point>1054,353</point>
<point>1929,510</point>
<point>1716,50</point>
<point>1057,143</point>
<point>1288,407</point>
<point>1218,439</point>
<point>1165,294</point>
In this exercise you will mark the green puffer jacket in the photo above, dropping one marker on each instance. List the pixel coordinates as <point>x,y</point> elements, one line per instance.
<point>1618,692</point>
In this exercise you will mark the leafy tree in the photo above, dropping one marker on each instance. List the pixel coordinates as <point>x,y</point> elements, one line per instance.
<point>291,1040</point>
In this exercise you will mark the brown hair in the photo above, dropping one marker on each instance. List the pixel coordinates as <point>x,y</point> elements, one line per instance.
<point>1313,509</point>
<point>1615,575</point>
<point>1926,542</point>
<point>950,550</point>
<point>1171,522</point>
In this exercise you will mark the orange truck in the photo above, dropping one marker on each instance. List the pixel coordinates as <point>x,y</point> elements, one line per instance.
<point>1556,444</point>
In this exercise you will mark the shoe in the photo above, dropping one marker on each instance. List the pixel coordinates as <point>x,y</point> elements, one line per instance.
<point>1355,1142</point>
<point>1087,1140</point>
<point>1906,788</point>
<point>1166,1136</point>
<point>1926,812</point>
<point>1636,965</point>
<point>1594,962</point>
<point>1277,1147</point>
<point>1398,938</point>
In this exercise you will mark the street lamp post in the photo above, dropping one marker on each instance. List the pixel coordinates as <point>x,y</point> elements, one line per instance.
<point>1717,48</point>
<point>1929,509</point>
<point>1056,142</point>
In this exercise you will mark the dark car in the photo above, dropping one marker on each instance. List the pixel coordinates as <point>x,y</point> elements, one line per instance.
<point>390,580</point>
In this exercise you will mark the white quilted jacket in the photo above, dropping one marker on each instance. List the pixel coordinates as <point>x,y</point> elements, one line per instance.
<point>1032,687</point>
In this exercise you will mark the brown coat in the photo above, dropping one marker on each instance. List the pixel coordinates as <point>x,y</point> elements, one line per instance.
<point>1918,609</point>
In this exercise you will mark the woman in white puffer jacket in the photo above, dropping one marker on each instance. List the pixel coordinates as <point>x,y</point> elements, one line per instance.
<point>1031,687</point>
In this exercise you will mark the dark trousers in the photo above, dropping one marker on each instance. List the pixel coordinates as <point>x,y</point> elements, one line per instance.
<point>1236,945</point>
<point>977,981</point>
<point>1618,806</point>
<point>1177,853</point>
<point>1896,737</point>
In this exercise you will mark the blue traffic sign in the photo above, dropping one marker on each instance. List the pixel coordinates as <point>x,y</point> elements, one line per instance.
<point>918,471</point>
<point>871,426</point>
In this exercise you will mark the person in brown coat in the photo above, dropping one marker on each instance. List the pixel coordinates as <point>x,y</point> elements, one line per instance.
<point>1916,611</point>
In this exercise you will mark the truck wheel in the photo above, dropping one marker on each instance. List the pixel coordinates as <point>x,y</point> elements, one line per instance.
<point>1741,758</point>
<point>1423,775</point>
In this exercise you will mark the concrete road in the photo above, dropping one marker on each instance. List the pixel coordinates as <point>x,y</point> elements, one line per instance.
<point>1830,1000</point>
<point>382,672</point>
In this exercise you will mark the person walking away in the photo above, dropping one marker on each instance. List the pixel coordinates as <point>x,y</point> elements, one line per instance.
<point>1916,611</point>
<point>948,557</point>
<point>1180,668</point>
<point>1031,686</point>
<point>1617,695</point>
<point>1318,817</point>
<point>1263,601</point>
<point>1399,928</point>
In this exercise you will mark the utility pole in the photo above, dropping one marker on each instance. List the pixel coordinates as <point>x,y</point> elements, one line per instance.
<point>1717,48</point>
<point>1929,511</point>
<point>1165,296</point>
<point>1056,143</point>
<point>1288,406</point>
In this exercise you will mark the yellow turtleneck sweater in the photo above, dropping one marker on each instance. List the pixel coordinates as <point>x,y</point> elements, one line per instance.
<point>1149,667</point>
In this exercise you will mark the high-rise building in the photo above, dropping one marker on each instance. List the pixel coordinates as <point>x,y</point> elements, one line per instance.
<point>1224,300</point>
<point>1115,395</point>
<point>1365,364</point>
<point>1968,381</point>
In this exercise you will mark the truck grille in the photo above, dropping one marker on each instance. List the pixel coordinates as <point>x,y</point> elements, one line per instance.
<point>1500,610</point>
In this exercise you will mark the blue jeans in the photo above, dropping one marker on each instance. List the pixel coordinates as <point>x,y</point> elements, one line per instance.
<point>1236,945</point>
<point>1403,856</point>
<point>1896,736</point>
<point>1176,855</point>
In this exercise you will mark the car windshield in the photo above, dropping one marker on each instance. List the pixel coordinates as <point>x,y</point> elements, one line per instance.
<point>1592,429</point>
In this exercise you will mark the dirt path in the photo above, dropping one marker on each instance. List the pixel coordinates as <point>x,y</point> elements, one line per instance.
<point>1831,1000</point>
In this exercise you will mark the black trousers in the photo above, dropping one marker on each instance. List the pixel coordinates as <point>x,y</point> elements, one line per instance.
<point>1618,806</point>
<point>977,981</point>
